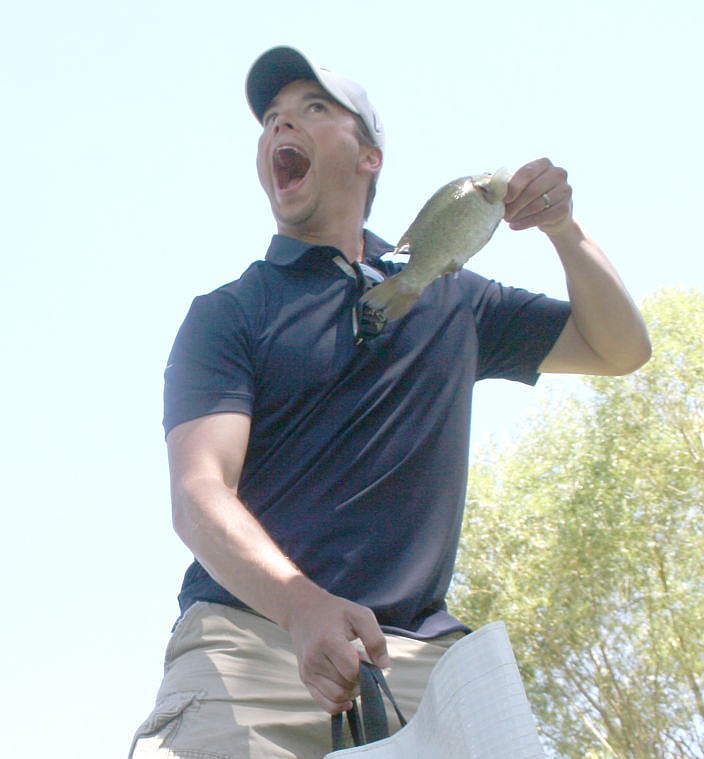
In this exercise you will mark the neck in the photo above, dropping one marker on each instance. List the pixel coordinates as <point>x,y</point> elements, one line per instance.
<point>350,242</point>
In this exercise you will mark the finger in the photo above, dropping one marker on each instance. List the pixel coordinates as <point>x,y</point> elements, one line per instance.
<point>332,685</point>
<point>329,690</point>
<point>547,190</point>
<point>557,196</point>
<point>545,217</point>
<point>373,640</point>
<point>335,690</point>
<point>522,178</point>
<point>539,179</point>
<point>337,664</point>
<point>332,705</point>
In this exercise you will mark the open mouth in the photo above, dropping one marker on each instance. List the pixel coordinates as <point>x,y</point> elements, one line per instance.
<point>290,166</point>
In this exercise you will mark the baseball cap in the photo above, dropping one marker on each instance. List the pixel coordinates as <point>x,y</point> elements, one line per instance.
<point>280,66</point>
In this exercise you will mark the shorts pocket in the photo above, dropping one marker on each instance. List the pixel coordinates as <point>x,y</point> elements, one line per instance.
<point>162,723</point>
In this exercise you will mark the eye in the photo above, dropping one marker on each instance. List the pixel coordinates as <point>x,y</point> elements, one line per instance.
<point>318,106</point>
<point>269,116</point>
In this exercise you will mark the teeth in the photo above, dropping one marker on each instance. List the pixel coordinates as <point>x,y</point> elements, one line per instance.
<point>281,148</point>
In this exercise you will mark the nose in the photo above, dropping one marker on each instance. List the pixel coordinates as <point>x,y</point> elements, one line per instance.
<point>283,121</point>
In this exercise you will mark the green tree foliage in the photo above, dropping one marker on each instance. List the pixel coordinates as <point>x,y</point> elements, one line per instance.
<point>586,537</point>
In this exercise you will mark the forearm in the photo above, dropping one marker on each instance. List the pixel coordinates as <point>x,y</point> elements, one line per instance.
<point>206,457</point>
<point>235,550</point>
<point>238,553</point>
<point>602,310</point>
<point>605,333</point>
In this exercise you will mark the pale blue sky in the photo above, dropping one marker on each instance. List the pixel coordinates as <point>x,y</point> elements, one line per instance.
<point>127,186</point>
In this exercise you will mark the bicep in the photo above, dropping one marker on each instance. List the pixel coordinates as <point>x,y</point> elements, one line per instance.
<point>209,447</point>
<point>572,354</point>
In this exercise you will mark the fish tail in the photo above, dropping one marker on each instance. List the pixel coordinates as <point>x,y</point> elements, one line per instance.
<point>393,296</point>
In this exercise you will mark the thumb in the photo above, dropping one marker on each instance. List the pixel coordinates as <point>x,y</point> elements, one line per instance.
<point>374,643</point>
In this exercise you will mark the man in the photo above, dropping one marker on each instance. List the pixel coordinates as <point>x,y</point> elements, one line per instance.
<point>318,470</point>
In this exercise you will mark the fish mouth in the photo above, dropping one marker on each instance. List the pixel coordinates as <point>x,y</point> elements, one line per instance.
<point>290,166</point>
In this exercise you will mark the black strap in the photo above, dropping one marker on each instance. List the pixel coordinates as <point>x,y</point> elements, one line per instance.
<point>373,725</point>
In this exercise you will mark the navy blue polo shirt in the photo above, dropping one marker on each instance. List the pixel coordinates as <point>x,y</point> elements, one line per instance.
<point>357,460</point>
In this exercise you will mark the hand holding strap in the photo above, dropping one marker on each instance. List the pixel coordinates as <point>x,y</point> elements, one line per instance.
<point>373,725</point>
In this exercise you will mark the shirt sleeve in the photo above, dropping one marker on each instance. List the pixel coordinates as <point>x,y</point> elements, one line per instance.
<point>209,370</point>
<point>516,330</point>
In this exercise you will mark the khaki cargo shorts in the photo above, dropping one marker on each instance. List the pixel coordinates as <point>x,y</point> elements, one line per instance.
<point>231,690</point>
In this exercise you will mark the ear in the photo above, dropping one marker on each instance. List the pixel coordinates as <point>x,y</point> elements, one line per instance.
<point>371,160</point>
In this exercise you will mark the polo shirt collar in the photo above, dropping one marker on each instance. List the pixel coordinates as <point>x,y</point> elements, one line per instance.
<point>285,251</point>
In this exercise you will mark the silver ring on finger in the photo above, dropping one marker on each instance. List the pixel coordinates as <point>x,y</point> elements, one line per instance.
<point>546,201</point>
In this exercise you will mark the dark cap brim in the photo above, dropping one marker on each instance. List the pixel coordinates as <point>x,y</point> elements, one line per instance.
<point>270,72</point>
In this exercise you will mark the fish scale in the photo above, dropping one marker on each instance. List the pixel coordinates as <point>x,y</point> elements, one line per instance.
<point>457,222</point>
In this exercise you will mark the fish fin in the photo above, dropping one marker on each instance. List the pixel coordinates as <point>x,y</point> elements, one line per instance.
<point>393,297</point>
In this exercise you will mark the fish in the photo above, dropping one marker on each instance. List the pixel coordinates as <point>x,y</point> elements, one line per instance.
<point>454,224</point>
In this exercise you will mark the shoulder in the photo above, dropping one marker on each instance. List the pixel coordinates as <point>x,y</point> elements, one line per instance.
<point>235,299</point>
<point>490,296</point>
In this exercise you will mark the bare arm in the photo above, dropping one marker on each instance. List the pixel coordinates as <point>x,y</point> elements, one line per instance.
<point>605,333</point>
<point>206,456</point>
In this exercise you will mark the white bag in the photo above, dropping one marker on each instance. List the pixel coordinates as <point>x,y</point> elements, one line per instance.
<point>474,707</point>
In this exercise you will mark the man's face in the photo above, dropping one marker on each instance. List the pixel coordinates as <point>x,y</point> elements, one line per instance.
<point>310,159</point>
